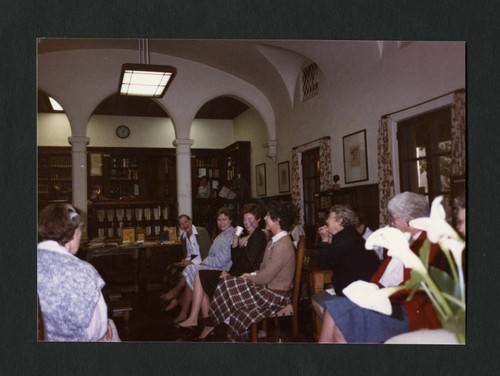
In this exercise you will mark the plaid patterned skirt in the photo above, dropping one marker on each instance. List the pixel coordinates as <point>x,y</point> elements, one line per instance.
<point>243,302</point>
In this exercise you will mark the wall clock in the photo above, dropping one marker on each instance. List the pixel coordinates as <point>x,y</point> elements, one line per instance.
<point>122,131</point>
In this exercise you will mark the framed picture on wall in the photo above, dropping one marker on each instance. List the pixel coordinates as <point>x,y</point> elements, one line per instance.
<point>95,164</point>
<point>284,177</point>
<point>355,158</point>
<point>260,179</point>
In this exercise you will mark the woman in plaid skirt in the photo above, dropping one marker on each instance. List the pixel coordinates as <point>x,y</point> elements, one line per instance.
<point>241,301</point>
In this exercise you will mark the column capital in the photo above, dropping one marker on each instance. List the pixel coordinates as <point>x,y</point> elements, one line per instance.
<point>78,140</point>
<point>183,145</point>
<point>182,142</point>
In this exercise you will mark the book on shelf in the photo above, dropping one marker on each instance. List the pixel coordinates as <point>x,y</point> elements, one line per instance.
<point>225,192</point>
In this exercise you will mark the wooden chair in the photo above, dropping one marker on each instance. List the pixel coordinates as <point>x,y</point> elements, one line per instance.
<point>291,309</point>
<point>121,308</point>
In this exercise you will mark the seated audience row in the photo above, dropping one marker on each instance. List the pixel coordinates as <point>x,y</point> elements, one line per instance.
<point>247,252</point>
<point>239,279</point>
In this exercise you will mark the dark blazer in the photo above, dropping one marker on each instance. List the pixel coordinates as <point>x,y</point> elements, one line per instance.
<point>203,240</point>
<point>348,258</point>
<point>248,259</point>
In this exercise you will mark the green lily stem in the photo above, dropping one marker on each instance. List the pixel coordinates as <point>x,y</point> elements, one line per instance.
<point>447,253</point>
<point>462,284</point>
<point>434,301</point>
<point>437,293</point>
<point>454,300</point>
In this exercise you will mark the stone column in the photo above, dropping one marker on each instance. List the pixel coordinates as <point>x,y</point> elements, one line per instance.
<point>79,175</point>
<point>184,187</point>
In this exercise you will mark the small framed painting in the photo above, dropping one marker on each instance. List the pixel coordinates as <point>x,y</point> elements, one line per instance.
<point>284,177</point>
<point>355,159</point>
<point>260,179</point>
<point>95,164</point>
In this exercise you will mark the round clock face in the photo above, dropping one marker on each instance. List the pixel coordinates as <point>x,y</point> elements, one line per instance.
<point>122,131</point>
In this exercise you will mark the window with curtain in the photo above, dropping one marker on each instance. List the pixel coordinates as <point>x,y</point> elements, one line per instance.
<point>311,185</point>
<point>425,148</point>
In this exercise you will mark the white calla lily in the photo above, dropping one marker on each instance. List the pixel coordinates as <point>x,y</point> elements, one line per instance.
<point>436,226</point>
<point>456,247</point>
<point>397,244</point>
<point>370,296</point>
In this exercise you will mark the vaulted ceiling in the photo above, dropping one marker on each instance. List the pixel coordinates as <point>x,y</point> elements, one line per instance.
<point>272,66</point>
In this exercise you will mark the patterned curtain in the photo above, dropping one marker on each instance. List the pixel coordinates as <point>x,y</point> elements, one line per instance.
<point>458,152</point>
<point>325,166</point>
<point>295,181</point>
<point>385,172</point>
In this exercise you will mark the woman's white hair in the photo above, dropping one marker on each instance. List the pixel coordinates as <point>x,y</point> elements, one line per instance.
<point>409,205</point>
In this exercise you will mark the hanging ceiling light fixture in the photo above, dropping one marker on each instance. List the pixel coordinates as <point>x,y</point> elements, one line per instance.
<point>143,79</point>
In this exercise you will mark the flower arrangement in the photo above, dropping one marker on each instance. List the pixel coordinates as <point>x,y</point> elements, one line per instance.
<point>446,292</point>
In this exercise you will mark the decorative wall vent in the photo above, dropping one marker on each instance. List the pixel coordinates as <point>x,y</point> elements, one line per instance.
<point>310,81</point>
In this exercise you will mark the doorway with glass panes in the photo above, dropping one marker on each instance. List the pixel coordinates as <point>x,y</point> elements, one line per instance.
<point>424,144</point>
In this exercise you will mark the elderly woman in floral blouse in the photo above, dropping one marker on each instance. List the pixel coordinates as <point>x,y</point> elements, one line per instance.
<point>69,289</point>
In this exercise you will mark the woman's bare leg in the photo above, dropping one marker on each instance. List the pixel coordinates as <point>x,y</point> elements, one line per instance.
<point>186,299</point>
<point>198,294</point>
<point>330,332</point>
<point>176,291</point>
<point>318,308</point>
<point>205,306</point>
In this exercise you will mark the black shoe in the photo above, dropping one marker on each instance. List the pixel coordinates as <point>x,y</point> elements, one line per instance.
<point>210,336</point>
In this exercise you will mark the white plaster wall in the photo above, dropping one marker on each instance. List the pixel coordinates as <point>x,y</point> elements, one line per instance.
<point>212,134</point>
<point>249,126</point>
<point>356,101</point>
<point>145,132</point>
<point>53,130</point>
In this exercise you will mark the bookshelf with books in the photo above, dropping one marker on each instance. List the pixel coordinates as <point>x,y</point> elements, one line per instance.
<point>363,199</point>
<point>54,174</point>
<point>228,176</point>
<point>235,161</point>
<point>108,220</point>
<point>131,173</point>
<point>131,187</point>
<point>205,165</point>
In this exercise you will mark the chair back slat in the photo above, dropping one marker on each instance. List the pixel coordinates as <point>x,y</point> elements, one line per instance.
<point>298,272</point>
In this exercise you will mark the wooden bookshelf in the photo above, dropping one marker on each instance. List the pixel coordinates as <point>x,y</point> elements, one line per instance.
<point>227,170</point>
<point>54,174</point>
<point>363,199</point>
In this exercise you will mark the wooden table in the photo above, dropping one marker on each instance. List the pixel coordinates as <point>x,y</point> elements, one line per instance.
<point>134,266</point>
<point>317,279</point>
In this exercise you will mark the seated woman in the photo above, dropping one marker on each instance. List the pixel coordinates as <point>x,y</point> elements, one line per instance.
<point>253,296</point>
<point>219,258</point>
<point>342,249</point>
<point>246,253</point>
<point>195,243</point>
<point>69,289</point>
<point>345,321</point>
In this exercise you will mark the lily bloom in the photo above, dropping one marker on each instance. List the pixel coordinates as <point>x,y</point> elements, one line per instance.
<point>370,296</point>
<point>440,231</point>
<point>397,244</point>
